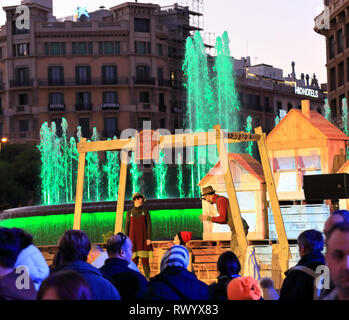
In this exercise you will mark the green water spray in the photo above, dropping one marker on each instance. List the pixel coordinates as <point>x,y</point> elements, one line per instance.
<point>111,169</point>
<point>180,176</point>
<point>249,147</point>
<point>160,171</point>
<point>135,175</point>
<point>327,110</point>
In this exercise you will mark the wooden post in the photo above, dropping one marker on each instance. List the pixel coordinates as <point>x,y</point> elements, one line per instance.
<point>121,192</point>
<point>283,247</point>
<point>233,201</point>
<point>79,189</point>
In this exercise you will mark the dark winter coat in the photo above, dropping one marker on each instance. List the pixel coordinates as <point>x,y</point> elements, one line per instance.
<point>101,288</point>
<point>218,291</point>
<point>130,284</point>
<point>298,285</point>
<point>187,286</point>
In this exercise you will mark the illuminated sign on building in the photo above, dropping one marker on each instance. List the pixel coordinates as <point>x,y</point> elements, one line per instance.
<point>306,92</point>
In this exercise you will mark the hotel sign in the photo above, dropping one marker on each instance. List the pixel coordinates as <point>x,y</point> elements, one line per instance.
<point>306,92</point>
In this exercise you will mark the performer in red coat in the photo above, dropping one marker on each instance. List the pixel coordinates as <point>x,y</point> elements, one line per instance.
<point>138,229</point>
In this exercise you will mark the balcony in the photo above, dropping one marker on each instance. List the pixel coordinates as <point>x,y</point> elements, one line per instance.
<point>19,135</point>
<point>83,106</point>
<point>68,82</point>
<point>2,86</point>
<point>148,81</point>
<point>21,83</point>
<point>23,108</point>
<point>110,106</point>
<point>56,107</point>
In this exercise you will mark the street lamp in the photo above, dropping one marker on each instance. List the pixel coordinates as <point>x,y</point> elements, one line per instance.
<point>3,140</point>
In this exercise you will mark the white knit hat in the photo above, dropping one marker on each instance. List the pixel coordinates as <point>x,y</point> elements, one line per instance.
<point>176,256</point>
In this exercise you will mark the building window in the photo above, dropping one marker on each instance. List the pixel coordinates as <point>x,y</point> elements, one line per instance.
<point>254,101</point>
<point>23,99</point>
<point>340,74</point>
<point>340,41</point>
<point>83,75</point>
<point>142,47</point>
<point>83,101</point>
<point>109,47</point>
<point>56,98</point>
<point>144,97</point>
<point>109,74</point>
<point>347,35</point>
<point>289,106</point>
<point>1,130</point>
<point>332,79</point>
<point>141,25</point>
<point>55,48</point>
<point>55,75</point>
<point>110,127</point>
<point>341,97</point>
<point>110,97</point>
<point>143,72</point>
<point>140,122</point>
<point>22,76</point>
<point>0,53</point>
<point>23,125</point>
<point>331,47</point>
<point>160,49</point>
<point>21,50</point>
<point>162,123</point>
<point>84,123</point>
<point>162,106</point>
<point>82,48</point>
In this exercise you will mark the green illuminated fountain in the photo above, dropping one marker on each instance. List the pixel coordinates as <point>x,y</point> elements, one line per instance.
<point>180,176</point>
<point>345,120</point>
<point>160,171</point>
<point>249,147</point>
<point>111,169</point>
<point>327,110</point>
<point>135,175</point>
<point>212,99</point>
<point>93,173</point>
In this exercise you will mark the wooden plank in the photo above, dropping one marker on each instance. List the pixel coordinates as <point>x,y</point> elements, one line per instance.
<point>121,193</point>
<point>105,145</point>
<point>233,201</point>
<point>79,189</point>
<point>184,140</point>
<point>284,247</point>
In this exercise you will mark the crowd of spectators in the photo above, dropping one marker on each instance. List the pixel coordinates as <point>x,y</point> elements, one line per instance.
<point>80,271</point>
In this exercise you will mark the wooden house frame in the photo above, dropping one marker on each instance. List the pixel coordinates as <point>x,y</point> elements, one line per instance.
<point>281,251</point>
<point>304,142</point>
<point>251,189</point>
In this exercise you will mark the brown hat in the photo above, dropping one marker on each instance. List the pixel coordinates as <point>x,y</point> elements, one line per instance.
<point>138,194</point>
<point>207,190</point>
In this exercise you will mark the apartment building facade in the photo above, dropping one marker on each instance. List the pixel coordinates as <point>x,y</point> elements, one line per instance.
<point>333,24</point>
<point>110,72</point>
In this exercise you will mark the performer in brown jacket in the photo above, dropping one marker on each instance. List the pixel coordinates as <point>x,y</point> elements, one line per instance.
<point>138,229</point>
